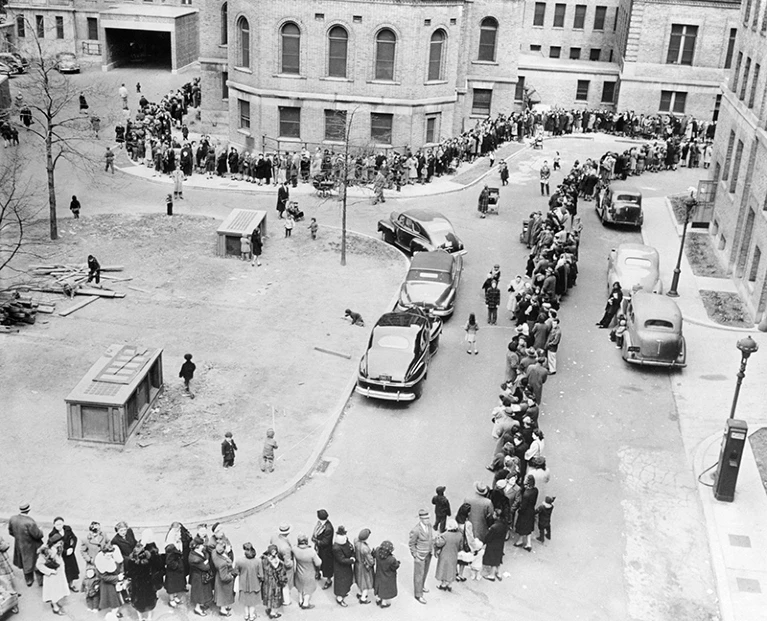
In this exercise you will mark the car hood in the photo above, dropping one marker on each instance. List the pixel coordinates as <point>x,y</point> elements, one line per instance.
<point>391,362</point>
<point>426,293</point>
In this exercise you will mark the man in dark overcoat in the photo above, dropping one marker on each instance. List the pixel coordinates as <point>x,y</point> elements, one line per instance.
<point>323,543</point>
<point>283,194</point>
<point>28,538</point>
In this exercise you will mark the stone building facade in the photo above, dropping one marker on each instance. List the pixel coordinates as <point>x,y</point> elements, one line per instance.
<point>739,162</point>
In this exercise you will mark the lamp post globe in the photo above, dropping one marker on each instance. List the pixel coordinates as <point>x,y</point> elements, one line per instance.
<point>747,346</point>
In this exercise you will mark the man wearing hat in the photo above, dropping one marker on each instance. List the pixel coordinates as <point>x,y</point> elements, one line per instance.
<point>28,539</point>
<point>323,543</point>
<point>285,550</point>
<point>481,510</point>
<point>421,543</point>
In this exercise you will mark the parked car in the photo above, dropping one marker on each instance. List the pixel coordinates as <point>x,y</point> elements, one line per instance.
<point>13,61</point>
<point>22,59</point>
<point>66,62</point>
<point>431,283</point>
<point>396,362</point>
<point>620,206</point>
<point>418,230</point>
<point>654,332</point>
<point>634,266</point>
<point>7,68</point>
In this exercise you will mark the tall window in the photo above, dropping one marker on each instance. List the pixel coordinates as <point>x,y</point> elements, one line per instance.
<point>755,265</point>
<point>436,51</point>
<point>582,90</point>
<point>432,128</point>
<point>754,82</point>
<point>540,13</point>
<point>482,101</point>
<point>736,74</point>
<point>744,83</point>
<point>730,48</point>
<point>335,125</point>
<point>579,18</point>
<point>386,45</point>
<point>747,12</point>
<point>93,28</point>
<point>559,15</point>
<point>244,107</point>
<point>608,92</point>
<point>381,128</point>
<point>40,26</point>
<point>224,23</point>
<point>681,47</point>
<point>488,32</point>
<point>291,49</point>
<point>224,85</point>
<point>243,31</point>
<point>290,122</point>
<point>673,101</point>
<point>599,18</point>
<point>21,27</point>
<point>763,29</point>
<point>59,27</point>
<point>728,156</point>
<point>338,46</point>
<point>736,167</point>
<point>519,91</point>
<point>756,16</point>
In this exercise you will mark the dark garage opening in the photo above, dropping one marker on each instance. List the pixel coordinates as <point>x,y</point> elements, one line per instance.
<point>143,48</point>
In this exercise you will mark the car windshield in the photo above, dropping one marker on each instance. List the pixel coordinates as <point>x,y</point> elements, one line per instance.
<point>638,262</point>
<point>425,276</point>
<point>627,198</point>
<point>392,341</point>
<point>662,324</point>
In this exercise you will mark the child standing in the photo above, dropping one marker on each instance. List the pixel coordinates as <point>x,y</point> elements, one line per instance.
<point>228,447</point>
<point>267,457</point>
<point>245,248</point>
<point>476,565</point>
<point>187,372</point>
<point>313,226</point>
<point>544,517</point>
<point>441,509</point>
<point>91,587</point>
<point>289,224</point>
<point>471,334</point>
<point>616,334</point>
<point>557,161</point>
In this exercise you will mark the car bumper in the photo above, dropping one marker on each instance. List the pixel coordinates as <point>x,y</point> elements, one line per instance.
<point>437,312</point>
<point>388,395</point>
<point>650,362</point>
<point>620,221</point>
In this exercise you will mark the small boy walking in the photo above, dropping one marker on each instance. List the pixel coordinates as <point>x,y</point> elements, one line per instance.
<point>441,509</point>
<point>91,587</point>
<point>228,447</point>
<point>544,518</point>
<point>187,373</point>
<point>471,329</point>
<point>245,248</point>
<point>313,226</point>
<point>289,224</point>
<point>267,456</point>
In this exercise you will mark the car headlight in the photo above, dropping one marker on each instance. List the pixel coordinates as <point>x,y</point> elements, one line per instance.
<point>364,366</point>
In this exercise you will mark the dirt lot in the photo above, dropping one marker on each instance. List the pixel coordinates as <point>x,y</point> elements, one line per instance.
<point>252,332</point>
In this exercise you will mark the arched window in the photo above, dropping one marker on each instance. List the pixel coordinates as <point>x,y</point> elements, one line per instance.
<point>338,41</point>
<point>243,32</point>
<point>291,49</point>
<point>436,51</point>
<point>224,24</point>
<point>488,31</point>
<point>386,44</point>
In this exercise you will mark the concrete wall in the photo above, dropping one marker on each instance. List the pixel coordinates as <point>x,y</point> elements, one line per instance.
<point>50,44</point>
<point>556,82</point>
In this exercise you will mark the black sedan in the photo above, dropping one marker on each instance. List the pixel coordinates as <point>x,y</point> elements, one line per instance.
<point>432,283</point>
<point>419,230</point>
<point>397,358</point>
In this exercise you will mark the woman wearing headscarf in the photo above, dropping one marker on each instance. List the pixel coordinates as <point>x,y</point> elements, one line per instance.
<point>180,537</point>
<point>64,534</point>
<point>109,568</point>
<point>250,571</point>
<point>364,566</point>
<point>94,540</point>
<point>140,567</point>
<point>526,514</point>
<point>386,574</point>
<point>51,566</point>
<point>448,544</point>
<point>494,542</point>
<point>200,577</point>
<point>275,577</point>
<point>307,563</point>
<point>343,561</point>
<point>466,530</point>
<point>223,586</point>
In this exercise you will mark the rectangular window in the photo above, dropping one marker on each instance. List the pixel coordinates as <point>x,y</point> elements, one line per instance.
<point>615,19</point>
<point>290,122</point>
<point>681,47</point>
<point>582,91</point>
<point>672,101</point>
<point>728,156</point>
<point>608,92</point>
<point>736,167</point>
<point>93,28</point>
<point>519,91</point>
<point>717,106</point>
<point>754,82</point>
<point>540,13</point>
<point>432,128</point>
<point>535,48</point>
<point>579,19</point>
<point>481,102</point>
<point>599,18</point>
<point>335,125</point>
<point>730,48</point>
<point>224,85</point>
<point>736,75</point>
<point>59,27</point>
<point>665,101</point>
<point>575,53</point>
<point>756,15</point>
<point>555,51</point>
<point>744,83</point>
<point>680,103</point>
<point>559,15</point>
<point>763,29</point>
<point>40,26</point>
<point>244,109</point>
<point>747,12</point>
<point>381,127</point>
<point>752,274</point>
<point>595,53</point>
<point>21,27</point>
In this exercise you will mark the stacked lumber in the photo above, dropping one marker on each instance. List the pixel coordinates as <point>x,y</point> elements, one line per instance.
<point>18,309</point>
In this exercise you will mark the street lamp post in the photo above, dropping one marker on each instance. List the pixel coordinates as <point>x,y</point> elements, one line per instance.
<point>689,204</point>
<point>747,346</point>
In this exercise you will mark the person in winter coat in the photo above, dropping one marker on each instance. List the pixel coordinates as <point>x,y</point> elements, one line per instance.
<point>481,510</point>
<point>256,246</point>
<point>483,201</point>
<point>467,535</point>
<point>223,585</point>
<point>343,562</point>
<point>175,580</point>
<point>493,301</point>
<point>441,508</point>
<point>74,207</point>
<point>250,573</point>
<point>6,569</point>
<point>124,539</point>
<point>386,574</point>
<point>526,514</point>
<point>200,577</point>
<point>285,550</point>
<point>448,545</point>
<point>364,566</point>
<point>494,542</point>
<point>275,579</point>
<point>27,541</point>
<point>307,563</point>
<point>323,543</point>
<point>180,538</point>
<point>51,566</point>
<point>63,533</point>
<point>552,345</point>
<point>109,569</point>
<point>140,568</point>
<point>536,378</point>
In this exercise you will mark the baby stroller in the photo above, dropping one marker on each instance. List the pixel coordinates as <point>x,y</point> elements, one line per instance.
<point>538,141</point>
<point>492,200</point>
<point>294,211</point>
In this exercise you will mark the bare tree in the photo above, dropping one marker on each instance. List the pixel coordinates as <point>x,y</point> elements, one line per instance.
<point>16,210</point>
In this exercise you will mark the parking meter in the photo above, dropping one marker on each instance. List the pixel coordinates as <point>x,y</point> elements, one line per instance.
<point>730,454</point>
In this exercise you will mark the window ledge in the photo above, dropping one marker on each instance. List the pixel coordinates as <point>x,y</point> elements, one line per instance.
<point>244,132</point>
<point>474,115</point>
<point>290,139</point>
<point>431,82</point>
<point>386,82</point>
<point>223,45</point>
<point>289,76</point>
<point>243,70</point>
<point>484,62</point>
<point>330,78</point>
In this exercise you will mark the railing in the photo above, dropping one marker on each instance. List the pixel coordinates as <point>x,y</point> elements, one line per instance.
<point>92,48</point>
<point>279,145</point>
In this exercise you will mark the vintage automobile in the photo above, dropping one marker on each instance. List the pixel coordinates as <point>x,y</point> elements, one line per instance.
<point>419,230</point>
<point>396,362</point>
<point>654,332</point>
<point>13,61</point>
<point>66,62</point>
<point>7,68</point>
<point>620,206</point>
<point>634,266</point>
<point>431,283</point>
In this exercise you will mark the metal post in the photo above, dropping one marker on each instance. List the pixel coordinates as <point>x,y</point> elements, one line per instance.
<point>741,375</point>
<point>689,206</point>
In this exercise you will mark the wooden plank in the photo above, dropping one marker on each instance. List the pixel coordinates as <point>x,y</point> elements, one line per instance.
<point>138,289</point>
<point>112,268</point>
<point>114,279</point>
<point>103,293</point>
<point>333,353</point>
<point>78,306</point>
<point>7,329</point>
<point>48,310</point>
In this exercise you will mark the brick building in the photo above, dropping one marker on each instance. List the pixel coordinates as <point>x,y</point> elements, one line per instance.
<point>739,162</point>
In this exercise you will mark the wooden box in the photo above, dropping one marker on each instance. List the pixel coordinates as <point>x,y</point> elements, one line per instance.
<point>238,223</point>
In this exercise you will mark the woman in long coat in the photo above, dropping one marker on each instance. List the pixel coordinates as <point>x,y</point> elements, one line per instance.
<point>109,569</point>
<point>275,577</point>
<point>323,543</point>
<point>466,530</point>
<point>51,566</point>
<point>251,574</point>
<point>62,532</point>
<point>94,541</point>
<point>140,567</point>
<point>200,577</point>
<point>307,563</point>
<point>526,514</point>
<point>494,542</point>
<point>223,589</point>
<point>343,562</point>
<point>6,569</point>
<point>175,579</point>
<point>386,574</point>
<point>124,539</point>
<point>448,544</point>
<point>364,566</point>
